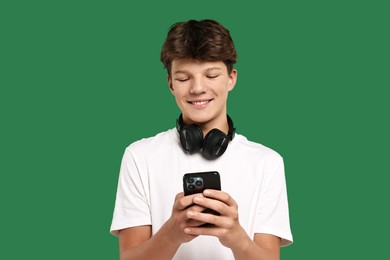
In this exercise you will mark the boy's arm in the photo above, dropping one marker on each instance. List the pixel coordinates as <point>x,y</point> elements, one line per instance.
<point>139,243</point>
<point>228,229</point>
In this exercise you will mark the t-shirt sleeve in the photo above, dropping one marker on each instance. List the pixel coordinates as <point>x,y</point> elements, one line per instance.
<point>132,202</point>
<point>272,215</point>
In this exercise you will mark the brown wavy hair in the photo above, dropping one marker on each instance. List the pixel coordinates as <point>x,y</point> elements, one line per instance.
<point>204,40</point>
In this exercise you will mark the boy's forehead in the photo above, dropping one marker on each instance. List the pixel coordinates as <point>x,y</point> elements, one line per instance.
<point>191,64</point>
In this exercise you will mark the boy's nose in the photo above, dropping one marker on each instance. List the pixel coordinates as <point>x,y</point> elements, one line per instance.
<point>197,86</point>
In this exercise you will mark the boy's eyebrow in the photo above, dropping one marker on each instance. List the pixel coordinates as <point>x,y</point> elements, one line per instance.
<point>213,68</point>
<point>180,71</point>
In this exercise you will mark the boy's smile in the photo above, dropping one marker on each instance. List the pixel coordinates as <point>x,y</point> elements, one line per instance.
<point>200,103</point>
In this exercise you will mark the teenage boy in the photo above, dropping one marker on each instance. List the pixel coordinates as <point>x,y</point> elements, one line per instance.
<point>152,218</point>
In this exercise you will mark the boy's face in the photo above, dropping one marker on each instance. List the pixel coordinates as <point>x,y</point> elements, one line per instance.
<point>201,91</point>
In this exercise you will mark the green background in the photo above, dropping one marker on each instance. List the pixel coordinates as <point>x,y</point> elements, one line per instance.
<point>81,80</point>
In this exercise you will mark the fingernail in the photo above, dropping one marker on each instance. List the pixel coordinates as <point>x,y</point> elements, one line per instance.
<point>190,214</point>
<point>197,199</point>
<point>206,192</point>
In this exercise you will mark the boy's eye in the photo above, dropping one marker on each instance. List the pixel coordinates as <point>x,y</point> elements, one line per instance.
<point>182,79</point>
<point>212,76</point>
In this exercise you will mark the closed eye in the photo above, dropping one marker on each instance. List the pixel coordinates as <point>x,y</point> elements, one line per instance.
<point>212,76</point>
<point>182,79</point>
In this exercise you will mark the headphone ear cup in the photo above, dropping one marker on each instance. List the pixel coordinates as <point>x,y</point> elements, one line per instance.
<point>191,138</point>
<point>215,143</point>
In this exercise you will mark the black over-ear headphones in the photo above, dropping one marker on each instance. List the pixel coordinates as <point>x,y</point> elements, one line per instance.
<point>214,144</point>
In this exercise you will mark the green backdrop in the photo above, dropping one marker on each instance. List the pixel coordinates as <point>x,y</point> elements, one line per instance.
<point>81,80</point>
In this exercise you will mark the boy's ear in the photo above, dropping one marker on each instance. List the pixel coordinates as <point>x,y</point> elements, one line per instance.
<point>169,79</point>
<point>232,79</point>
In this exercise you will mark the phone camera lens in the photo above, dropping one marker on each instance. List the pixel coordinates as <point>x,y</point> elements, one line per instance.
<point>191,186</point>
<point>198,183</point>
<point>190,180</point>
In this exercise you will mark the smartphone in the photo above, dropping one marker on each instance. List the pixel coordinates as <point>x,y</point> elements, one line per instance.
<point>197,182</point>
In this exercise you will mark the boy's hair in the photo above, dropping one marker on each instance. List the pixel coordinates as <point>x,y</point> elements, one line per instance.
<point>205,40</point>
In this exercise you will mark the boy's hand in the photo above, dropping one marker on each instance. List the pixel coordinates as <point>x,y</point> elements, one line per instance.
<point>179,219</point>
<point>226,226</point>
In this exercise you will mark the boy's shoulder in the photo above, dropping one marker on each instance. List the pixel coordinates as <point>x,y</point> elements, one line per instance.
<point>257,149</point>
<point>153,142</point>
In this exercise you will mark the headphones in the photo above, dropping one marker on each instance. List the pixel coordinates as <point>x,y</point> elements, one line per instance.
<point>214,144</point>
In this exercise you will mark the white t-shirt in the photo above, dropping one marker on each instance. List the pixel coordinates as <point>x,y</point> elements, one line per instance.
<point>152,172</point>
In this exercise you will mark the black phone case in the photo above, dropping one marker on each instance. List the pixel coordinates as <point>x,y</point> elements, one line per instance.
<point>197,182</point>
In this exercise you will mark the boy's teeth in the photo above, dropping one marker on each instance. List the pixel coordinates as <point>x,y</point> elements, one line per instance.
<point>200,102</point>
